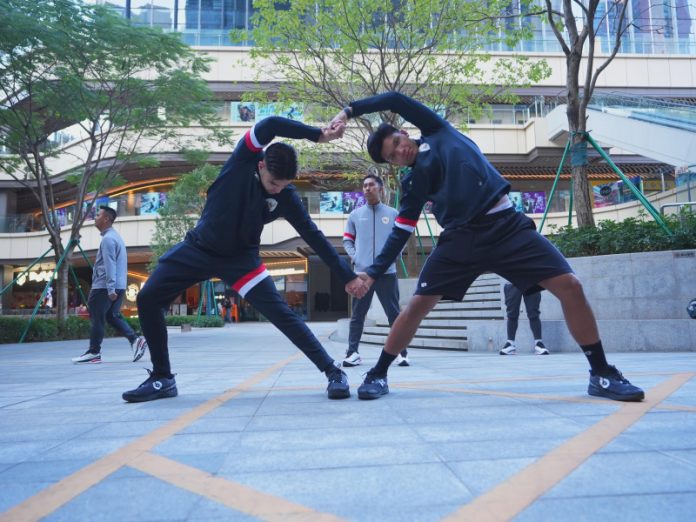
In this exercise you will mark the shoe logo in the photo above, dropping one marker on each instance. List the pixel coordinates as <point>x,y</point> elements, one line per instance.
<point>157,385</point>
<point>424,284</point>
<point>604,383</point>
<point>381,382</point>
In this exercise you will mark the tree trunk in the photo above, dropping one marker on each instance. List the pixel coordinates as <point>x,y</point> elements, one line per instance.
<point>62,286</point>
<point>576,127</point>
<point>60,297</point>
<point>412,257</point>
<point>581,196</point>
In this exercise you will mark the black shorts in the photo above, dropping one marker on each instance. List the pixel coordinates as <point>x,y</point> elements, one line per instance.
<point>506,243</point>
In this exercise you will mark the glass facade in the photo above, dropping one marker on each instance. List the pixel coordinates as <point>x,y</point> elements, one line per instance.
<point>662,27</point>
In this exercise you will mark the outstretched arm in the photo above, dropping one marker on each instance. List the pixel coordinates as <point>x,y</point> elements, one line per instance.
<point>261,134</point>
<point>299,219</point>
<point>427,120</point>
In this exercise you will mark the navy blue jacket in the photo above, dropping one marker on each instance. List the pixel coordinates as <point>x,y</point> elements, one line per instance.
<point>449,170</point>
<point>237,206</point>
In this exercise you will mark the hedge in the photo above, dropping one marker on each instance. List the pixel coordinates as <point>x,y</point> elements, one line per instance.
<point>41,329</point>
<point>641,234</point>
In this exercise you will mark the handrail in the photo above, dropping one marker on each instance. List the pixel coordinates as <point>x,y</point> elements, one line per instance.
<point>683,203</point>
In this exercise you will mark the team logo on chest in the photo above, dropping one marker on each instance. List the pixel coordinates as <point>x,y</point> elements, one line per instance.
<point>272,204</point>
<point>385,220</point>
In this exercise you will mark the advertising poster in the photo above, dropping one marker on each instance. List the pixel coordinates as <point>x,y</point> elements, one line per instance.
<point>151,202</point>
<point>241,112</point>
<point>605,194</point>
<point>293,111</point>
<point>352,200</point>
<point>331,203</point>
<point>534,202</point>
<point>516,198</point>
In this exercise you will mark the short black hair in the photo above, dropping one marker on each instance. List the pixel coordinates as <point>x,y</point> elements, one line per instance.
<point>377,179</point>
<point>110,211</point>
<point>376,139</point>
<point>281,160</point>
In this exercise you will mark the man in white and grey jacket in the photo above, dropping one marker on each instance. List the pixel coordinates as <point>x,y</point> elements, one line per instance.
<point>367,228</point>
<point>109,278</point>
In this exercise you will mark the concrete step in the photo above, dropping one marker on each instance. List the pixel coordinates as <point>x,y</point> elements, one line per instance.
<point>492,313</point>
<point>469,304</point>
<point>422,342</point>
<point>442,333</point>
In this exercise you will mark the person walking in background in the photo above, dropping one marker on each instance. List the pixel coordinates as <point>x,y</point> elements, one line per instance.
<point>367,228</point>
<point>109,278</point>
<point>253,188</point>
<point>482,232</point>
<point>513,299</point>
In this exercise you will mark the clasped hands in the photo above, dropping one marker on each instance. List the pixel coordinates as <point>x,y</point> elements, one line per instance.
<point>359,286</point>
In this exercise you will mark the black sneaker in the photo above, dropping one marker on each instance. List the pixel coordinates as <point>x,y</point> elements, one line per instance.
<point>154,387</point>
<point>612,385</point>
<point>338,384</point>
<point>373,387</point>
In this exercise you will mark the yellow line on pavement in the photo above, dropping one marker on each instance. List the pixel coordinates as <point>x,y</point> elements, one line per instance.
<point>513,395</point>
<point>511,497</point>
<point>50,499</point>
<point>231,494</point>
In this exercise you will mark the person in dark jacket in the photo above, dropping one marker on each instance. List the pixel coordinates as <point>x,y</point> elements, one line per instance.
<point>482,232</point>
<point>253,189</point>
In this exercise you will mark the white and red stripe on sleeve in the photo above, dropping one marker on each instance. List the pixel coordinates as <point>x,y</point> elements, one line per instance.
<point>252,142</point>
<point>409,225</point>
<point>347,235</point>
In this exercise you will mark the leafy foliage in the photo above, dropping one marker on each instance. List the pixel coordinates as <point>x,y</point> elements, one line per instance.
<point>179,214</point>
<point>640,234</point>
<point>115,91</point>
<point>347,49</point>
<point>205,321</point>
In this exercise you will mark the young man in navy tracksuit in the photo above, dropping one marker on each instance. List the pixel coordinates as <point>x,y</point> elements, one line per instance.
<point>253,189</point>
<point>482,232</point>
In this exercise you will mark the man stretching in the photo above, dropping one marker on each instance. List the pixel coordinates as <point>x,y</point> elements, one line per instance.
<point>253,189</point>
<point>482,232</point>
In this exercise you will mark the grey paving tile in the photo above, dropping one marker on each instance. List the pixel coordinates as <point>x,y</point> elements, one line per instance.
<point>128,498</point>
<point>418,454</point>
<point>209,511</point>
<point>343,492</point>
<point>481,475</point>
<point>675,507</point>
<point>628,473</point>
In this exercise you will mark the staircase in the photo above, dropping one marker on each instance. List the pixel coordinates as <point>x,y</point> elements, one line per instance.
<point>445,327</point>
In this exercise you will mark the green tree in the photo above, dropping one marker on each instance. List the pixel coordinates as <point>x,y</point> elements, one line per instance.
<point>576,26</point>
<point>183,207</point>
<point>122,92</point>
<point>347,49</point>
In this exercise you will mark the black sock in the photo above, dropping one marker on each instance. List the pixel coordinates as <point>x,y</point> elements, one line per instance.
<point>382,366</point>
<point>595,355</point>
<point>331,368</point>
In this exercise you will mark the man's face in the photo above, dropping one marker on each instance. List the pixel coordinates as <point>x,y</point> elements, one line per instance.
<point>372,191</point>
<point>271,184</point>
<point>398,149</point>
<point>102,221</point>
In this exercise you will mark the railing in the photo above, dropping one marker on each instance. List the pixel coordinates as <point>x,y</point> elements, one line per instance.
<point>678,205</point>
<point>673,114</point>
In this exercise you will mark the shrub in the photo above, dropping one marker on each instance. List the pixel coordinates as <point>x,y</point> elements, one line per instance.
<point>73,327</point>
<point>212,321</point>
<point>641,234</point>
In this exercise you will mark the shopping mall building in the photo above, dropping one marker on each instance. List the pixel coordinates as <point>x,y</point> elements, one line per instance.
<point>644,114</point>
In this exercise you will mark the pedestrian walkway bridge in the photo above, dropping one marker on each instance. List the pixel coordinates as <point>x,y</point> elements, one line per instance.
<point>657,129</point>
